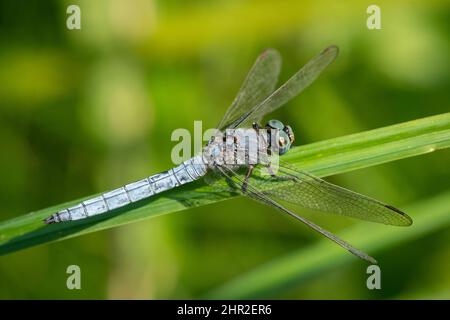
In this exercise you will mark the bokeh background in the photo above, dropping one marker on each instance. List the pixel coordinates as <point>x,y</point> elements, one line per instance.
<point>88,110</point>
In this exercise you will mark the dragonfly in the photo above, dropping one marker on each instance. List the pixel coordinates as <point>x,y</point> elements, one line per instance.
<point>253,174</point>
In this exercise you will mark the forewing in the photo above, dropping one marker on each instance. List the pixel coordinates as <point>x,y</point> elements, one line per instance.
<point>304,189</point>
<point>291,88</point>
<point>258,85</point>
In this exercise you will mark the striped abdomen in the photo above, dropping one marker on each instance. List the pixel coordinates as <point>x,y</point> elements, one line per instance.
<point>188,171</point>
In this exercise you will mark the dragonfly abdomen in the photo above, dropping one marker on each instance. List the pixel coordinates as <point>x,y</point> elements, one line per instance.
<point>186,172</point>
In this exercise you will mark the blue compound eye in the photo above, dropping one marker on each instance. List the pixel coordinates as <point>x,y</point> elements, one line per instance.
<point>284,143</point>
<point>275,124</point>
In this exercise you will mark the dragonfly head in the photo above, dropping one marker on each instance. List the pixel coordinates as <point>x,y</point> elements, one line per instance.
<point>285,135</point>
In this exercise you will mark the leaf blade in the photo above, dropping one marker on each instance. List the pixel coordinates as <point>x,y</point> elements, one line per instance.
<point>322,159</point>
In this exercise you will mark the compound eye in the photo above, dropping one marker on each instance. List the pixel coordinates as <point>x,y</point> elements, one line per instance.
<point>275,124</point>
<point>283,142</point>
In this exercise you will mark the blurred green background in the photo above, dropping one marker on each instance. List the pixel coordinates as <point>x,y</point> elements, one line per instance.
<point>88,110</point>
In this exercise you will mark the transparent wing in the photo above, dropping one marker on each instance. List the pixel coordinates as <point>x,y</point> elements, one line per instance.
<point>258,85</point>
<point>291,88</point>
<point>302,188</point>
<point>255,193</point>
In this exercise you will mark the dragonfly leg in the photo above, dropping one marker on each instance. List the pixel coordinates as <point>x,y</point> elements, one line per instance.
<point>247,176</point>
<point>270,170</point>
<point>273,175</point>
<point>255,126</point>
<point>279,177</point>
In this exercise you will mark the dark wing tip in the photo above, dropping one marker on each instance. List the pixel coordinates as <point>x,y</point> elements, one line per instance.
<point>49,220</point>
<point>408,220</point>
<point>372,260</point>
<point>333,50</point>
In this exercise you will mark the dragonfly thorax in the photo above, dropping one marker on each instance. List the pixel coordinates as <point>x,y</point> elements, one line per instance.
<point>248,146</point>
<point>241,146</point>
